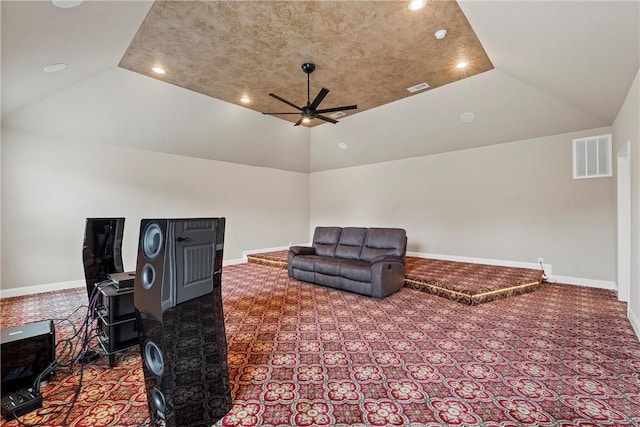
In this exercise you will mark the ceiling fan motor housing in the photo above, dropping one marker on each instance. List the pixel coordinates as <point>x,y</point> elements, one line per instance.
<point>308,67</point>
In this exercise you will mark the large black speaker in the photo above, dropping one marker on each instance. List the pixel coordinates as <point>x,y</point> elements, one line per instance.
<point>178,301</point>
<point>102,250</point>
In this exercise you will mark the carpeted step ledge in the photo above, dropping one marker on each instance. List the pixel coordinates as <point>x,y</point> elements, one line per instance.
<point>463,282</point>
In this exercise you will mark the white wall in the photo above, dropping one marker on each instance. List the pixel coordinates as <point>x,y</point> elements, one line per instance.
<point>515,201</point>
<point>626,127</point>
<point>49,187</point>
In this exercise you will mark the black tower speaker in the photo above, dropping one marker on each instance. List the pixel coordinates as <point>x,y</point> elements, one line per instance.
<point>178,301</point>
<point>102,250</point>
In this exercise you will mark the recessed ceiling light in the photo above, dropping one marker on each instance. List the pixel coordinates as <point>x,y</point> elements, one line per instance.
<point>66,4</point>
<point>245,100</point>
<point>343,145</point>
<point>52,68</point>
<point>462,64</point>
<point>416,4</point>
<point>158,70</point>
<point>440,34</point>
<point>467,117</point>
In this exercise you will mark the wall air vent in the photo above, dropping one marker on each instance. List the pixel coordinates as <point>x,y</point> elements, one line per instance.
<point>417,88</point>
<point>592,157</point>
<point>337,115</point>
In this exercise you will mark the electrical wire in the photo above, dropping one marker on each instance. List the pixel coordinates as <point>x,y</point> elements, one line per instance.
<point>69,356</point>
<point>544,275</point>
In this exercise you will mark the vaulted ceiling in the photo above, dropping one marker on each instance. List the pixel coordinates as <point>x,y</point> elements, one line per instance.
<point>535,69</point>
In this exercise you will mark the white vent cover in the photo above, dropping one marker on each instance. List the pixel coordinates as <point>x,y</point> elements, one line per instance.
<point>592,157</point>
<point>419,87</point>
<point>337,115</point>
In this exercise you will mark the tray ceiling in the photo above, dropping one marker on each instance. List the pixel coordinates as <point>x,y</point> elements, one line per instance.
<point>366,52</point>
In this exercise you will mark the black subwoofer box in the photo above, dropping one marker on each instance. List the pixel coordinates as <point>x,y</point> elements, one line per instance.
<point>26,352</point>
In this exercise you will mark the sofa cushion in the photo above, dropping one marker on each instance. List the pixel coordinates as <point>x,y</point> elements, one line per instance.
<point>356,270</point>
<point>330,266</point>
<point>304,262</point>
<point>328,280</point>
<point>305,276</point>
<point>355,286</point>
<point>384,241</point>
<point>325,240</point>
<point>350,243</point>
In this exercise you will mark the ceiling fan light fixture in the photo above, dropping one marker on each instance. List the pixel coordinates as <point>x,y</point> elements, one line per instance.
<point>306,119</point>
<point>416,5</point>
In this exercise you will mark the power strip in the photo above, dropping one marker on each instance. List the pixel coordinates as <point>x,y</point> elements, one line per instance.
<point>20,402</point>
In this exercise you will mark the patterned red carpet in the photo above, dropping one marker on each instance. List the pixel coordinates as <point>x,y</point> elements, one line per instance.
<point>464,282</point>
<point>301,354</point>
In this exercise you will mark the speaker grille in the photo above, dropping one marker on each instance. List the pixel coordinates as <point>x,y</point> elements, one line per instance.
<point>198,225</point>
<point>198,261</point>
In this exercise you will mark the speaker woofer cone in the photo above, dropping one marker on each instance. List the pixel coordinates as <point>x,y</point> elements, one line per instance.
<point>153,358</point>
<point>158,401</point>
<point>148,276</point>
<point>152,241</point>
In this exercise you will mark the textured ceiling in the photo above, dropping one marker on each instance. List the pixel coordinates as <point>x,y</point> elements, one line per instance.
<point>366,52</point>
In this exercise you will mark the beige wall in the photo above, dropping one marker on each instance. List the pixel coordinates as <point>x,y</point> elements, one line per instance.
<point>49,188</point>
<point>515,201</point>
<point>626,127</point>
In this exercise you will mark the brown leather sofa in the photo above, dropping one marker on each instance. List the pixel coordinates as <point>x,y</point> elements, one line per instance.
<point>368,261</point>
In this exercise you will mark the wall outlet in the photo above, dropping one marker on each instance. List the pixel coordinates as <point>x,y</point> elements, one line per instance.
<point>540,260</point>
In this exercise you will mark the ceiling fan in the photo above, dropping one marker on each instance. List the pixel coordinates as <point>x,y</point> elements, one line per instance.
<point>310,111</point>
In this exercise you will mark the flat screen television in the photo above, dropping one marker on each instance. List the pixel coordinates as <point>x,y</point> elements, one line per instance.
<point>102,250</point>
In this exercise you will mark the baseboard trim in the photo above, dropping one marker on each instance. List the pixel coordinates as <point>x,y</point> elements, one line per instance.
<point>40,289</point>
<point>278,248</point>
<point>581,281</point>
<point>487,261</point>
<point>602,284</point>
<point>633,319</point>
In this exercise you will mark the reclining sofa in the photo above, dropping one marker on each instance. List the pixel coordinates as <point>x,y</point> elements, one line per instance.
<point>368,261</point>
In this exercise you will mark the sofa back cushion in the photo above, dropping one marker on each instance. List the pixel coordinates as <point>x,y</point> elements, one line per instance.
<point>350,243</point>
<point>325,240</point>
<point>384,241</point>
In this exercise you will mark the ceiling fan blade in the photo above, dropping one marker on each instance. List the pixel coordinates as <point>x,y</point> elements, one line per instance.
<point>326,119</point>
<point>298,122</point>
<point>319,97</point>
<point>282,113</point>
<point>285,101</point>
<point>331,110</point>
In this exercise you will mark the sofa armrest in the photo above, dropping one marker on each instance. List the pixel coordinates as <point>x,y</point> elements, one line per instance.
<point>302,250</point>
<point>387,258</point>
